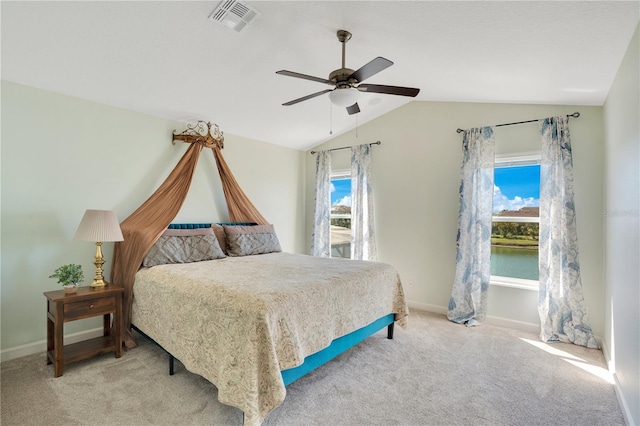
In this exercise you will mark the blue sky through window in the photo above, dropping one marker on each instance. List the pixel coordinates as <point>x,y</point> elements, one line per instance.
<point>341,192</point>
<point>516,187</point>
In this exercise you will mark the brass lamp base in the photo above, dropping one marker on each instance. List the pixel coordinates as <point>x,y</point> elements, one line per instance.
<point>98,283</point>
<point>98,280</point>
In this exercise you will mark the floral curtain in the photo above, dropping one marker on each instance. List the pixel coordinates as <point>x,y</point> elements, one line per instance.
<point>468,303</point>
<point>321,239</point>
<point>363,239</point>
<point>563,316</point>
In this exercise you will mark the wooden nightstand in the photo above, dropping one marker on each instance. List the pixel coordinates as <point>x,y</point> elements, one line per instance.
<point>86,303</point>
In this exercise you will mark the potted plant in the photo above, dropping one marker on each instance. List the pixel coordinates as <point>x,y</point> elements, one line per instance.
<point>69,276</point>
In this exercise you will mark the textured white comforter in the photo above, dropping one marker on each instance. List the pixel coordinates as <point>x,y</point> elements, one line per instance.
<point>239,321</point>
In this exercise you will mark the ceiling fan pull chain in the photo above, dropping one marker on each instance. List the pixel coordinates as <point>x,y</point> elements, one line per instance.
<point>356,126</point>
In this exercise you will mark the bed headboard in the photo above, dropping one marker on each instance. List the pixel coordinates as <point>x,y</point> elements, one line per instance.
<point>207,225</point>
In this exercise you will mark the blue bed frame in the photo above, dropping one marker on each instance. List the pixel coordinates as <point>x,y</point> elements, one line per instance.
<point>337,347</point>
<point>317,359</point>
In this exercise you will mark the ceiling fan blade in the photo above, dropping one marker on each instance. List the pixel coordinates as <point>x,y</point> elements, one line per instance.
<point>353,109</point>
<point>372,68</point>
<point>389,90</point>
<point>305,77</point>
<point>304,98</point>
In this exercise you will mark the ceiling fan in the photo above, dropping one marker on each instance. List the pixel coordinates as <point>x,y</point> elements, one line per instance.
<point>348,83</point>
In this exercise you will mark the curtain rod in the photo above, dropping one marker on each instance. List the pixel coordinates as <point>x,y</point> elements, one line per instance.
<point>347,147</point>
<point>575,115</point>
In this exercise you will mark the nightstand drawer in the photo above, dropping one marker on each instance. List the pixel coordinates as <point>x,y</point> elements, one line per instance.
<point>89,308</point>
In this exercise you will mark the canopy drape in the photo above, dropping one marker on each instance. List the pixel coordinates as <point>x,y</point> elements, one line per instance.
<point>145,225</point>
<point>240,208</point>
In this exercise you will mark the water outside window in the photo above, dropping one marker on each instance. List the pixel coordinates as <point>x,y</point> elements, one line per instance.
<point>515,261</point>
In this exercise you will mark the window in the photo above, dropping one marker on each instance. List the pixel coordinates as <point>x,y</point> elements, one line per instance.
<point>516,221</point>
<point>341,214</point>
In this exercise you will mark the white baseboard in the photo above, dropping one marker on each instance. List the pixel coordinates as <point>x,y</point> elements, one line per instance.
<point>518,325</point>
<point>426,307</point>
<point>503,322</point>
<point>611,366</point>
<point>41,346</point>
<point>628,418</point>
<point>607,356</point>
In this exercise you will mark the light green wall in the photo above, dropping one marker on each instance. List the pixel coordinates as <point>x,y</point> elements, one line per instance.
<point>113,159</point>
<point>622,229</point>
<point>62,155</point>
<point>416,175</point>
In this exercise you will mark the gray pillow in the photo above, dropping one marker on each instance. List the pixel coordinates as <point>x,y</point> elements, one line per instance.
<point>250,240</point>
<point>184,246</point>
<point>219,231</point>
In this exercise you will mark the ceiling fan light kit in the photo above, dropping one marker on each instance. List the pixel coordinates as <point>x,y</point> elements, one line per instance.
<point>347,82</point>
<point>344,97</point>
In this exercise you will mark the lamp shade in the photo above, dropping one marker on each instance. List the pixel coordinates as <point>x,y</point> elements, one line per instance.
<point>99,226</point>
<point>344,97</point>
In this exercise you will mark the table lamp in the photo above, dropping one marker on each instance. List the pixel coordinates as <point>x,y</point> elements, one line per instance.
<point>99,226</point>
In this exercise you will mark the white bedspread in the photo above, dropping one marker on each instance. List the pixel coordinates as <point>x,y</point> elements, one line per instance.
<point>239,321</point>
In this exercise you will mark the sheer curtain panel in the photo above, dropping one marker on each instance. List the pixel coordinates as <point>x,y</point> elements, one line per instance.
<point>321,238</point>
<point>468,303</point>
<point>563,316</point>
<point>363,239</point>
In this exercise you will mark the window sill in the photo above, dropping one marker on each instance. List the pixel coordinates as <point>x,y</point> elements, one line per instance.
<point>518,283</point>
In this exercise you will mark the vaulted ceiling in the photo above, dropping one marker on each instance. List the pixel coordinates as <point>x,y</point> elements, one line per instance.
<point>168,59</point>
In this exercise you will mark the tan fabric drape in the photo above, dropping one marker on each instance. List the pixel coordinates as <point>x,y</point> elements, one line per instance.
<point>238,204</point>
<point>145,225</point>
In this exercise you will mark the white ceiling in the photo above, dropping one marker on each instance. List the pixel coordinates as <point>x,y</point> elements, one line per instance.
<point>168,59</point>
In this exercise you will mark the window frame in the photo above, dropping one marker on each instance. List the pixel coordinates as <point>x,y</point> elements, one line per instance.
<point>513,160</point>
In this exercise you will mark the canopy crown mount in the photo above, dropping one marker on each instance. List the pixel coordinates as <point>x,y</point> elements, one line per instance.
<point>195,133</point>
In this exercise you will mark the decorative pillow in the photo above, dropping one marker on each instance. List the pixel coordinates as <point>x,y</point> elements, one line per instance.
<point>249,240</point>
<point>184,246</point>
<point>219,231</point>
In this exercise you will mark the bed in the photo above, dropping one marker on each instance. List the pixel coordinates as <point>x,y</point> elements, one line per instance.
<point>254,323</point>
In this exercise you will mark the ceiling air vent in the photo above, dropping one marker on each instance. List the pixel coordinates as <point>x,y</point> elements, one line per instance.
<point>234,14</point>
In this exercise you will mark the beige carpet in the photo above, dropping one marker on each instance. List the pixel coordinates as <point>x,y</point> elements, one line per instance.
<point>433,373</point>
